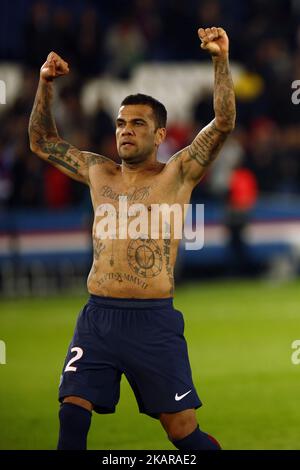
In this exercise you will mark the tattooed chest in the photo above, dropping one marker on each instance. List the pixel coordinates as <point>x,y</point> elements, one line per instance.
<point>136,194</point>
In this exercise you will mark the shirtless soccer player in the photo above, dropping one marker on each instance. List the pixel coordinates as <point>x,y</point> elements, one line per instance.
<point>129,324</point>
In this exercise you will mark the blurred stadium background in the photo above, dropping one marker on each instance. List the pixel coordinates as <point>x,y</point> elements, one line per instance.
<point>240,293</point>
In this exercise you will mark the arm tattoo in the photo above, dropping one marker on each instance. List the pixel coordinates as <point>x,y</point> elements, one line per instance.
<point>56,148</point>
<point>56,160</point>
<point>206,145</point>
<point>44,138</point>
<point>43,134</point>
<point>94,159</point>
<point>224,99</point>
<point>61,153</point>
<point>45,141</point>
<point>41,122</point>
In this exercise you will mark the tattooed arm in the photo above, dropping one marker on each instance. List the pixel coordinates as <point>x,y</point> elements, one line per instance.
<point>43,135</point>
<point>205,147</point>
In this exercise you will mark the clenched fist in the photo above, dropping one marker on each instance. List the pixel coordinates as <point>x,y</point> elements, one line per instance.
<point>214,40</point>
<point>54,67</point>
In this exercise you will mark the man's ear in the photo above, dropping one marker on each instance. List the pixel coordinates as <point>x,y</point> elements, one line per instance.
<point>160,136</point>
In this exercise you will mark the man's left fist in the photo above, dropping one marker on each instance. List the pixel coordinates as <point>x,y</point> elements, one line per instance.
<point>214,40</point>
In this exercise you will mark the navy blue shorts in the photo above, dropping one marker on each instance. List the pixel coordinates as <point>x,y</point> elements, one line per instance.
<point>142,339</point>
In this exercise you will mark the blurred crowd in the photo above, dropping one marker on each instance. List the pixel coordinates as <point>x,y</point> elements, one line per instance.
<point>111,38</point>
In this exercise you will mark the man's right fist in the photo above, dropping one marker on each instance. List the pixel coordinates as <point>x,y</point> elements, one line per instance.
<point>54,67</point>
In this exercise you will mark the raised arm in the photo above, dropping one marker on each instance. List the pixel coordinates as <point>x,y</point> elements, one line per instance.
<point>44,139</point>
<point>195,158</point>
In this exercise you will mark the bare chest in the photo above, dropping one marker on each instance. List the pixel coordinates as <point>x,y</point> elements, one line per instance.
<point>155,190</point>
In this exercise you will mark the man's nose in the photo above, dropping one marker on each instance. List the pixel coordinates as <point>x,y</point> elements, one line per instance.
<point>127,129</point>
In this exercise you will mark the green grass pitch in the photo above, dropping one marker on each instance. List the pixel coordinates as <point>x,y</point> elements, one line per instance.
<point>239,336</point>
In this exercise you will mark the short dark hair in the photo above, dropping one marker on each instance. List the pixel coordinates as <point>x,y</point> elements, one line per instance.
<point>159,110</point>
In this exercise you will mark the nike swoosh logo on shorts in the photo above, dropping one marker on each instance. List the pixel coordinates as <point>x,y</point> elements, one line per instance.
<point>180,397</point>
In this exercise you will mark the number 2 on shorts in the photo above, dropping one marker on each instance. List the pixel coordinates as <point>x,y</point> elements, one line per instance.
<point>79,353</point>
